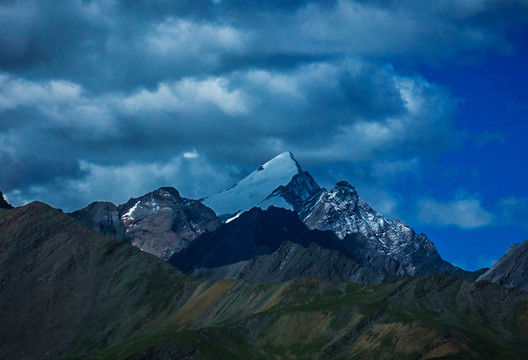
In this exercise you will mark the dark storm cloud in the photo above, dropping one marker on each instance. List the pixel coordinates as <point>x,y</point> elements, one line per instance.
<point>151,91</point>
<point>105,44</point>
<point>40,32</point>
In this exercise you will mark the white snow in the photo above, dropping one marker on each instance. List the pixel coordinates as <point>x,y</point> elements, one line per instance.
<point>128,214</point>
<point>233,218</point>
<point>256,187</point>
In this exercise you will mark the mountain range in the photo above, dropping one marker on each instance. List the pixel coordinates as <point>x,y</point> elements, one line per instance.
<point>226,228</point>
<point>274,267</point>
<point>69,292</point>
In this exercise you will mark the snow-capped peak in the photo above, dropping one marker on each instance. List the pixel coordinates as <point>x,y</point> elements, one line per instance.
<point>256,188</point>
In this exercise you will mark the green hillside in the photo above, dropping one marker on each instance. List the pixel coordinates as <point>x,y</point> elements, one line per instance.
<point>68,292</point>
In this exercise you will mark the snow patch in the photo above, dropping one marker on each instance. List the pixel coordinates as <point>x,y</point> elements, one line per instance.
<point>128,214</point>
<point>233,218</point>
<point>254,189</point>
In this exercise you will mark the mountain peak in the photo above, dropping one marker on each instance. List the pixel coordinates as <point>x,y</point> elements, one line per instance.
<point>162,222</point>
<point>283,160</point>
<point>259,187</point>
<point>385,241</point>
<point>345,184</point>
<point>3,203</point>
<point>345,188</point>
<point>164,190</point>
<point>510,269</point>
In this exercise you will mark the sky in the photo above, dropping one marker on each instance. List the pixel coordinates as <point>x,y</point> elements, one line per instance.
<point>421,105</point>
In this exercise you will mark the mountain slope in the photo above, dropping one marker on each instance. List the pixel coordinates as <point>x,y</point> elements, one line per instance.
<point>511,270</point>
<point>255,232</point>
<point>434,317</point>
<point>280,182</point>
<point>66,291</point>
<point>386,245</point>
<point>292,261</point>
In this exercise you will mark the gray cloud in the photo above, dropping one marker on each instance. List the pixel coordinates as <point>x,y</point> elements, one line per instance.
<point>104,44</point>
<point>464,212</point>
<point>125,88</point>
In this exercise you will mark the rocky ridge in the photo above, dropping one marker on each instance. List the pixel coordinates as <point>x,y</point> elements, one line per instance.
<point>390,246</point>
<point>511,270</point>
<point>3,203</point>
<point>292,261</point>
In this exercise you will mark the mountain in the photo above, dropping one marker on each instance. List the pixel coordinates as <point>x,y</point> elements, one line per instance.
<point>3,203</point>
<point>162,222</point>
<point>386,245</point>
<point>66,289</point>
<point>103,217</point>
<point>511,270</point>
<point>279,182</point>
<point>255,232</point>
<point>68,292</point>
<point>292,261</point>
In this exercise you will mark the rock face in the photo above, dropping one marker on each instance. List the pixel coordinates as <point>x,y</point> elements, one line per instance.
<point>3,203</point>
<point>297,191</point>
<point>255,232</point>
<point>386,245</point>
<point>162,222</point>
<point>103,217</point>
<point>280,182</point>
<point>511,270</point>
<point>292,261</point>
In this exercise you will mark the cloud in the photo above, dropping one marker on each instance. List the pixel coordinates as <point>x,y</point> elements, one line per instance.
<point>123,87</point>
<point>129,44</point>
<point>346,110</point>
<point>194,176</point>
<point>187,96</point>
<point>466,212</point>
<point>514,211</point>
<point>191,154</point>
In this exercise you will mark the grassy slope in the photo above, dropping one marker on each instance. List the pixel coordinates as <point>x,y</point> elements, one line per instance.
<point>432,317</point>
<point>68,292</point>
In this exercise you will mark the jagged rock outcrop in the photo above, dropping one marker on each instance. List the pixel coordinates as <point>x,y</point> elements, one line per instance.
<point>102,216</point>
<point>386,245</point>
<point>511,270</point>
<point>297,191</point>
<point>162,222</point>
